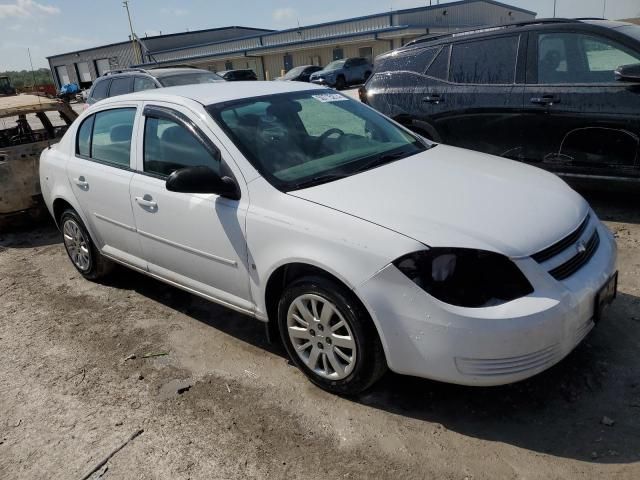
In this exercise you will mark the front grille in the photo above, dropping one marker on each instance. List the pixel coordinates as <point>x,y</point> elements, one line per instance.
<point>563,244</point>
<point>575,263</point>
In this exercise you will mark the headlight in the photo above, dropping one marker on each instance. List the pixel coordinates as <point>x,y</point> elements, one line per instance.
<point>465,277</point>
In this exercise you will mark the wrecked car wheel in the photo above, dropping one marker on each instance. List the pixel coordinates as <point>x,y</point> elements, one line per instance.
<point>80,248</point>
<point>330,336</point>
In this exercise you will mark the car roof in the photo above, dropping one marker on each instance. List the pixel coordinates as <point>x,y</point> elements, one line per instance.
<point>154,72</point>
<point>479,32</point>
<point>211,93</point>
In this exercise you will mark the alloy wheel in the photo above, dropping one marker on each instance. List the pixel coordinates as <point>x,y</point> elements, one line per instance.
<point>321,337</point>
<point>76,245</point>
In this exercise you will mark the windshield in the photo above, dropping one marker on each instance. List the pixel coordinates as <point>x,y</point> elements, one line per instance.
<point>189,79</point>
<point>631,30</point>
<point>335,65</point>
<point>301,139</point>
<point>294,72</point>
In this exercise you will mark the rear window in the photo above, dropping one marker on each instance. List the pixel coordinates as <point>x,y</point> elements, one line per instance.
<point>100,90</point>
<point>106,136</point>
<point>189,79</point>
<point>491,61</point>
<point>410,61</point>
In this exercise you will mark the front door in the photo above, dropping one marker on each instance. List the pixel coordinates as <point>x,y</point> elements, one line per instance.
<point>194,240</point>
<point>580,120</point>
<point>100,173</point>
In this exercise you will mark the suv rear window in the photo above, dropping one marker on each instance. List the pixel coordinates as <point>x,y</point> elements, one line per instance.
<point>409,61</point>
<point>490,61</point>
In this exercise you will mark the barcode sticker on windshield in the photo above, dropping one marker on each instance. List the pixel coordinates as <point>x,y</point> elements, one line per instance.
<point>330,97</point>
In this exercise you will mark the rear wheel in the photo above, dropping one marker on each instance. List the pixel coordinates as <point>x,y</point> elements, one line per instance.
<point>329,336</point>
<point>80,248</point>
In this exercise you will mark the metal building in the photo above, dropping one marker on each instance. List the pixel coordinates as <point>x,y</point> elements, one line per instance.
<point>271,53</point>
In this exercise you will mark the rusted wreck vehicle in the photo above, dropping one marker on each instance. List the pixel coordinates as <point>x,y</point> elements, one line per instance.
<point>28,125</point>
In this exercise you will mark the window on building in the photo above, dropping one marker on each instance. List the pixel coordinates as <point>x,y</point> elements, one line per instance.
<point>439,68</point>
<point>102,66</point>
<point>315,60</point>
<point>578,58</point>
<point>491,61</point>
<point>169,146</point>
<point>288,62</point>
<point>63,75</point>
<point>84,74</point>
<point>228,65</point>
<point>338,53</point>
<point>106,136</point>
<point>366,52</point>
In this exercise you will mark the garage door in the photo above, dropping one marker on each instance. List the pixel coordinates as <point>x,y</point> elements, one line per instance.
<point>83,72</point>
<point>63,75</point>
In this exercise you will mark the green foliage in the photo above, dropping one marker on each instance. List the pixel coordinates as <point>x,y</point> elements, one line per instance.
<point>25,77</point>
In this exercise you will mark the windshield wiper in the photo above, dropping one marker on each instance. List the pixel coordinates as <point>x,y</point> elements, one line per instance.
<point>320,179</point>
<point>382,159</point>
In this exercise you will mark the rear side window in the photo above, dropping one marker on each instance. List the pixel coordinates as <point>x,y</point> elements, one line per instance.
<point>411,61</point>
<point>143,83</point>
<point>169,146</point>
<point>120,86</point>
<point>486,62</point>
<point>100,90</point>
<point>106,136</point>
<point>440,66</point>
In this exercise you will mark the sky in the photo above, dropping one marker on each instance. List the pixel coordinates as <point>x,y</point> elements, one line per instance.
<point>48,27</point>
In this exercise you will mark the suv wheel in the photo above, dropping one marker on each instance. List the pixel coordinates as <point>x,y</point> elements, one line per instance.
<point>329,336</point>
<point>340,83</point>
<point>80,248</point>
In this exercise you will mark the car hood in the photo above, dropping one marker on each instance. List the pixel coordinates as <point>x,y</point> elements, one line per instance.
<point>450,197</point>
<point>319,73</point>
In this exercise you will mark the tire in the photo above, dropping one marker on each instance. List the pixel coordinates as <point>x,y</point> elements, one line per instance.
<point>340,83</point>
<point>338,368</point>
<point>80,248</point>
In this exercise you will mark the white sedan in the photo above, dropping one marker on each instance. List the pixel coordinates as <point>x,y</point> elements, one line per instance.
<point>364,246</point>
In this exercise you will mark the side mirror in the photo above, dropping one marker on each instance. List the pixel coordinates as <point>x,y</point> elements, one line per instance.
<point>202,180</point>
<point>628,73</point>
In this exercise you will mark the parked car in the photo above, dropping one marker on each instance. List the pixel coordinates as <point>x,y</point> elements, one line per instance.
<point>121,82</point>
<point>28,125</point>
<point>300,74</point>
<point>362,244</point>
<point>344,73</point>
<point>238,75</point>
<point>560,94</point>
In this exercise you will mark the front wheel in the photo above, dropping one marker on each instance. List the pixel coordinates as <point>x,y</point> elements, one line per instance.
<point>329,336</point>
<point>341,83</point>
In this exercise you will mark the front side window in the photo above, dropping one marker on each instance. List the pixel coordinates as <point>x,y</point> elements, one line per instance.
<point>578,58</point>
<point>485,62</point>
<point>169,146</point>
<point>296,140</point>
<point>111,137</point>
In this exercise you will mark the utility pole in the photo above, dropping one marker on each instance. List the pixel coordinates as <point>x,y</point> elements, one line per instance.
<point>554,8</point>
<point>604,9</point>
<point>125,4</point>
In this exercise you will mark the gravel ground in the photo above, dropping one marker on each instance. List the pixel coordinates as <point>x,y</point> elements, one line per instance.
<point>215,401</point>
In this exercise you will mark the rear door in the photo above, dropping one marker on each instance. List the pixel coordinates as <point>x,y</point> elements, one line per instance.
<point>580,120</point>
<point>476,103</point>
<point>100,173</point>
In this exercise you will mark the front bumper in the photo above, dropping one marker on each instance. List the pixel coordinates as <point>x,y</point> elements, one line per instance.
<point>487,346</point>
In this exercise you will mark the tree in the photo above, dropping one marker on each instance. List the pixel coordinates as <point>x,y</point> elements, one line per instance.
<point>25,77</point>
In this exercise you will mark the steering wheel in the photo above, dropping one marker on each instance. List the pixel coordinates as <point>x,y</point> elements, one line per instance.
<point>321,139</point>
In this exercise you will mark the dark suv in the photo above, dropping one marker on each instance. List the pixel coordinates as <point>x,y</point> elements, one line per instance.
<point>120,82</point>
<point>238,75</point>
<point>561,94</point>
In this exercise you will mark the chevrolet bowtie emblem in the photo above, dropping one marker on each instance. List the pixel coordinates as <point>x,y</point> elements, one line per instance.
<point>581,247</point>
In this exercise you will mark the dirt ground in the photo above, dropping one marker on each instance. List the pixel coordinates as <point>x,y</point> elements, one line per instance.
<point>215,401</point>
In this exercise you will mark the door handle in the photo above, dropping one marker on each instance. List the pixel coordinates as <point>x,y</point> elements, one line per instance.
<point>434,98</point>
<point>81,182</point>
<point>548,100</point>
<point>147,202</point>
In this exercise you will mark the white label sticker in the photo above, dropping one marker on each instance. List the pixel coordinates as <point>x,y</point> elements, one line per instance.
<point>330,97</point>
